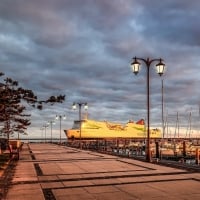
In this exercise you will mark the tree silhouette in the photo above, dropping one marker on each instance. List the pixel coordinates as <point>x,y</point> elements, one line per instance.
<point>12,109</point>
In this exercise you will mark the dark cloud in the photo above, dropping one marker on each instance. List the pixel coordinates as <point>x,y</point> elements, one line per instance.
<point>83,49</point>
<point>174,21</point>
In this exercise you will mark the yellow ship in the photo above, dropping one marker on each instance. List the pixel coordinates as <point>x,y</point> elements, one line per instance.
<point>91,129</point>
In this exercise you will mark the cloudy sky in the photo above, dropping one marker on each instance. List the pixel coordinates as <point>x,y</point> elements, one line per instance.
<point>83,49</point>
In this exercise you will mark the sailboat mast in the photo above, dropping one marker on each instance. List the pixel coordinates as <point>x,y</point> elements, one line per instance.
<point>177,126</point>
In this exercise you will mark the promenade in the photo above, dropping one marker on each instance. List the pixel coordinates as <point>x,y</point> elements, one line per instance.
<point>48,171</point>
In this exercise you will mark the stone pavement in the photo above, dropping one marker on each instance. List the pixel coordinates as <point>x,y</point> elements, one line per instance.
<point>48,171</point>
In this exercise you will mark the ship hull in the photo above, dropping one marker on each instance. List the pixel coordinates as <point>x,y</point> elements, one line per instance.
<point>91,129</point>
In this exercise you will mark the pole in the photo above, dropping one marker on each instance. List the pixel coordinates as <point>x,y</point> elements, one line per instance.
<point>80,124</point>
<point>60,128</point>
<point>163,126</point>
<point>42,135</point>
<point>160,69</point>
<point>80,120</point>
<point>45,134</point>
<point>51,131</point>
<point>148,152</point>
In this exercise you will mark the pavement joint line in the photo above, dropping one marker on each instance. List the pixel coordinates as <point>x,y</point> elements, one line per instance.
<point>107,172</point>
<point>56,160</point>
<point>104,178</point>
<point>195,179</point>
<point>33,156</point>
<point>93,154</point>
<point>48,194</point>
<point>38,169</point>
<point>124,183</point>
<point>150,168</point>
<point>74,160</point>
<point>55,152</point>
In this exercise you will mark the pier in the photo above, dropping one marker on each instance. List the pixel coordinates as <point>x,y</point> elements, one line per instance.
<point>51,171</point>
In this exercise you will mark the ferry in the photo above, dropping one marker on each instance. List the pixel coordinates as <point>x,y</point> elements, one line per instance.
<point>92,129</point>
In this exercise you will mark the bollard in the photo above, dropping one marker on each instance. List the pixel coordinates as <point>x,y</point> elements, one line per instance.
<point>105,145</point>
<point>184,148</point>
<point>197,156</point>
<point>157,150</point>
<point>117,146</point>
<point>151,155</point>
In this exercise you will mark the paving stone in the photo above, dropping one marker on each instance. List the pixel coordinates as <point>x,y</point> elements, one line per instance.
<point>50,171</point>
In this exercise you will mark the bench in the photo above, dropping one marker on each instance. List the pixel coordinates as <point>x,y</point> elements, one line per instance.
<point>15,148</point>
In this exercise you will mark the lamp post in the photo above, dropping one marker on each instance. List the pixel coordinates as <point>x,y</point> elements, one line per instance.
<point>45,132</point>
<point>51,124</point>
<point>160,70</point>
<point>80,104</point>
<point>42,134</point>
<point>60,117</point>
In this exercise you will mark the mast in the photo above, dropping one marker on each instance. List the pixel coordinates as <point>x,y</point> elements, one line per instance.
<point>166,124</point>
<point>189,128</point>
<point>177,125</point>
<point>190,121</point>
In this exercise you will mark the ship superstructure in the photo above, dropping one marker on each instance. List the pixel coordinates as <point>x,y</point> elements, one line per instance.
<point>92,129</point>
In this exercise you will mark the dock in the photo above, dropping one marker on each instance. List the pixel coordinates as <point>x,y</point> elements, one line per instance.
<point>55,172</point>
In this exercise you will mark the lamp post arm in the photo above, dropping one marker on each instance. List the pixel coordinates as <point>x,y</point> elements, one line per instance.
<point>148,61</point>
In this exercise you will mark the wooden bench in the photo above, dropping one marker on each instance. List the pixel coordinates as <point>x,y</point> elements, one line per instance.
<point>15,148</point>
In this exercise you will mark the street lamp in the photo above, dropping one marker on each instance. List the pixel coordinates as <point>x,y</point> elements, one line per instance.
<point>45,131</point>
<point>160,70</point>
<point>42,134</point>
<point>80,104</point>
<point>51,124</point>
<point>60,117</point>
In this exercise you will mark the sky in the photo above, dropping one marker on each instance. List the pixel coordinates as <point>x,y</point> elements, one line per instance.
<point>83,49</point>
